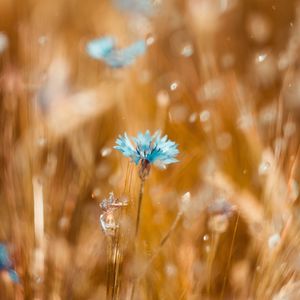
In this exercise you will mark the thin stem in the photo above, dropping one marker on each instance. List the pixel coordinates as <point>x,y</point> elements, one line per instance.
<point>230,256</point>
<point>109,268</point>
<point>115,267</point>
<point>162,243</point>
<point>153,256</point>
<point>137,225</point>
<point>138,216</point>
<point>215,242</point>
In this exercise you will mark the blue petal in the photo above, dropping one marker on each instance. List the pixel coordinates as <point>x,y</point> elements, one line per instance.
<point>143,141</point>
<point>156,150</point>
<point>13,275</point>
<point>4,257</point>
<point>124,145</point>
<point>127,56</point>
<point>100,48</point>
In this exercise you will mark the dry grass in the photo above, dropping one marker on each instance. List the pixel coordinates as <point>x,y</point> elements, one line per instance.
<point>222,80</point>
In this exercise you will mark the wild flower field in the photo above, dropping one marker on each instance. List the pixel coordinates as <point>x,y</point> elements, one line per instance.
<point>149,149</point>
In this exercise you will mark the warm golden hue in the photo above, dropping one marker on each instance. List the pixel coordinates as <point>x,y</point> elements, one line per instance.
<point>221,79</point>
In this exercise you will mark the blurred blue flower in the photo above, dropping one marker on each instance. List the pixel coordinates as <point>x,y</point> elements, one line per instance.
<point>6,264</point>
<point>145,7</point>
<point>152,149</point>
<point>105,49</point>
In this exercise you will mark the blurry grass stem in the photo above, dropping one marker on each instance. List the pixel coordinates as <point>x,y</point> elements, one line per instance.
<point>112,288</point>
<point>185,201</point>
<point>230,256</point>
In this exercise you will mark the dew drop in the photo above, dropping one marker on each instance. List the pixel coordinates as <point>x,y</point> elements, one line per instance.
<point>218,223</point>
<point>206,237</point>
<point>261,57</point>
<point>171,270</point>
<point>163,98</point>
<point>150,40</point>
<point>204,116</point>
<point>106,151</point>
<point>264,168</point>
<point>187,50</point>
<point>96,192</point>
<point>193,117</point>
<point>174,86</point>
<point>273,240</point>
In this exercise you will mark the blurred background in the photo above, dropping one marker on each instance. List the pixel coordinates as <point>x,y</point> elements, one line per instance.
<point>219,77</point>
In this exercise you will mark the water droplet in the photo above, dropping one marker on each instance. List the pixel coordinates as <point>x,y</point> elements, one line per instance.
<point>261,57</point>
<point>96,193</point>
<point>106,151</point>
<point>206,237</point>
<point>273,240</point>
<point>63,223</point>
<point>163,98</point>
<point>174,86</point>
<point>245,121</point>
<point>38,279</point>
<point>204,116</point>
<point>264,168</point>
<point>187,50</point>
<point>150,40</point>
<point>193,117</point>
<point>171,270</point>
<point>264,68</point>
<point>218,223</point>
<point>259,27</point>
<point>207,248</point>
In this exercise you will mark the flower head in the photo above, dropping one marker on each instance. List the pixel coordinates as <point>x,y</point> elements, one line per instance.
<point>149,149</point>
<point>105,49</point>
<point>6,264</point>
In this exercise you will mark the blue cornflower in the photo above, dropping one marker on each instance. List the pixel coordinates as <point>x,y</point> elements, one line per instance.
<point>149,149</point>
<point>105,49</point>
<point>6,264</point>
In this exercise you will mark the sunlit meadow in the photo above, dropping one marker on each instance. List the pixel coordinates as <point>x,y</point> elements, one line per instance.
<point>149,149</point>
